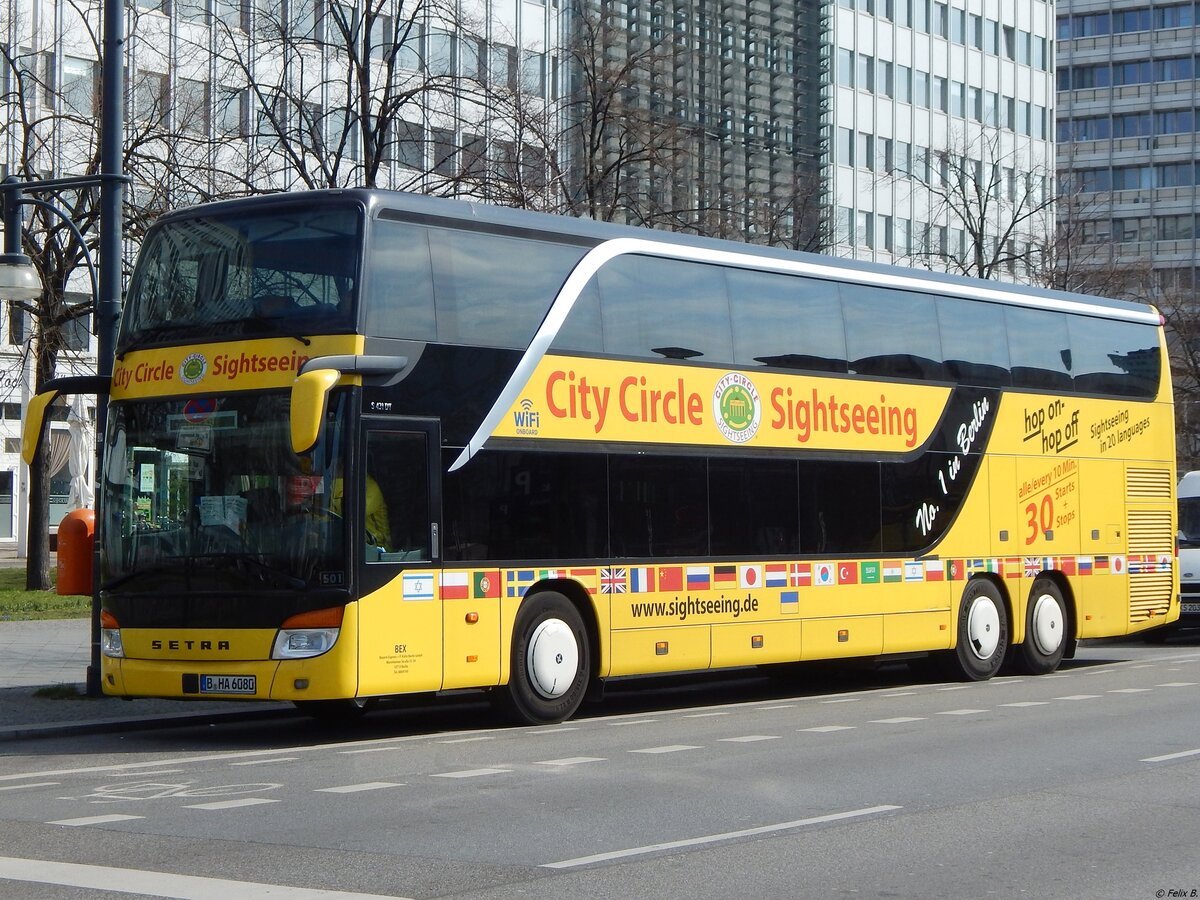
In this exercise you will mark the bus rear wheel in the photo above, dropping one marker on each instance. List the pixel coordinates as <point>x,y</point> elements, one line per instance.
<point>550,662</point>
<point>982,633</point>
<point>1045,630</point>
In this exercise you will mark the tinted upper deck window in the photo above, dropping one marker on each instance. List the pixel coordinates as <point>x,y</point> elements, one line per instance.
<point>1040,348</point>
<point>786,321</point>
<point>891,333</point>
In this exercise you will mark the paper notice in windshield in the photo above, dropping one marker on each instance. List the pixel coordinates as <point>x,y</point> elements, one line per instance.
<point>223,510</point>
<point>195,438</point>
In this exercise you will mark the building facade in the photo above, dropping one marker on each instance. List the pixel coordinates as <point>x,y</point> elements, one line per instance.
<point>1127,130</point>
<point>921,89</point>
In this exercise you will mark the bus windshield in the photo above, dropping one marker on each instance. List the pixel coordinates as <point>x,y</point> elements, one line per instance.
<point>205,494</point>
<point>227,276</point>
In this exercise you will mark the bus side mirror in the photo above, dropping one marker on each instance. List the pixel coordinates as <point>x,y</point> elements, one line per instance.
<point>35,420</point>
<point>310,391</point>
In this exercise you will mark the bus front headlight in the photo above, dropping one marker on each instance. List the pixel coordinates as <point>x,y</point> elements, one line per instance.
<point>301,643</point>
<point>110,643</point>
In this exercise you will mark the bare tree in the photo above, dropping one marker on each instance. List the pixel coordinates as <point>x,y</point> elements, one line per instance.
<point>617,144</point>
<point>1081,253</point>
<point>1181,313</point>
<point>334,98</point>
<point>590,150</point>
<point>998,199</point>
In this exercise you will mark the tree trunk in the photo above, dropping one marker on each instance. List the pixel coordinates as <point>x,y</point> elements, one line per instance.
<point>37,564</point>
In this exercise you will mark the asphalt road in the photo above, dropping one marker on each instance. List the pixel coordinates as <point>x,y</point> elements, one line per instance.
<point>1081,784</point>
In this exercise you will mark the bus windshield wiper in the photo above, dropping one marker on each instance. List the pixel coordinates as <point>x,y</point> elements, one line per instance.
<point>267,324</point>
<point>151,334</point>
<point>137,573</point>
<point>279,577</point>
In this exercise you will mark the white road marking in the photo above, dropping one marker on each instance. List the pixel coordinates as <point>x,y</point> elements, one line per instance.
<point>140,774</point>
<point>231,804</point>
<point>717,838</point>
<point>570,761</point>
<point>706,715</point>
<point>750,738</point>
<point>957,687</point>
<point>1079,697</point>
<point>901,694</point>
<point>1178,684</point>
<point>843,700</point>
<point>160,884</point>
<point>822,729</point>
<point>1129,691</point>
<point>781,706</point>
<point>95,820</point>
<point>142,768</point>
<point>669,748</point>
<point>386,749</point>
<point>636,722</point>
<point>541,731</point>
<point>263,762</point>
<point>355,788</point>
<point>898,720</point>
<point>1182,754</point>
<point>21,787</point>
<point>961,712</point>
<point>1023,703</point>
<point>470,740</point>
<point>472,773</point>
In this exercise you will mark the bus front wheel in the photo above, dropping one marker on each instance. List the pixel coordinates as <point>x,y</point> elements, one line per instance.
<point>982,632</point>
<point>550,661</point>
<point>1045,630</point>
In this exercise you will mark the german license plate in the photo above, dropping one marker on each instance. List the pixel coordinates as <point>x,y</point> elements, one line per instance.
<point>228,684</point>
<point>1190,608</point>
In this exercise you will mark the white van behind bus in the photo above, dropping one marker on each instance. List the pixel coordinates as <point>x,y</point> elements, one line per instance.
<point>1189,550</point>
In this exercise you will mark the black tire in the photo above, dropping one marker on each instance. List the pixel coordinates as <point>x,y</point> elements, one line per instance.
<point>982,633</point>
<point>551,662</point>
<point>1046,625</point>
<point>334,711</point>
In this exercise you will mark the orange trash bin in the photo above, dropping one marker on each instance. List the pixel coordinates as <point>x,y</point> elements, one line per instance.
<point>76,536</point>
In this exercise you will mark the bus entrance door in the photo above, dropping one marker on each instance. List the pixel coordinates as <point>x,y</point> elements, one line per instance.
<point>398,493</point>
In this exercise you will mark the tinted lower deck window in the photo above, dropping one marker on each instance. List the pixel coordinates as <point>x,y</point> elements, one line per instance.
<point>526,506</point>
<point>544,506</point>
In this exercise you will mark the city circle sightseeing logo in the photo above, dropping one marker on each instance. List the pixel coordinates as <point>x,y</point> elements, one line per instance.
<point>737,409</point>
<point>193,368</point>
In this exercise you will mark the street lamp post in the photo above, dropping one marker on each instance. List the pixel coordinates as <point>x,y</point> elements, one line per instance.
<point>17,274</point>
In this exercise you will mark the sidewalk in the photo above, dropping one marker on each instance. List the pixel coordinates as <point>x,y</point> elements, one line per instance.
<point>43,674</point>
<point>43,678</point>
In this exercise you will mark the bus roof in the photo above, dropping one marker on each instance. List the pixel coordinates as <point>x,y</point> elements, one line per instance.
<point>439,210</point>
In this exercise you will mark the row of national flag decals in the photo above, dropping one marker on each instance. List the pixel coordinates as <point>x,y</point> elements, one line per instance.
<point>454,584</point>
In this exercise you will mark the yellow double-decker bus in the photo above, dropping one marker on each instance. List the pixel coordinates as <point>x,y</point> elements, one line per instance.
<point>365,444</point>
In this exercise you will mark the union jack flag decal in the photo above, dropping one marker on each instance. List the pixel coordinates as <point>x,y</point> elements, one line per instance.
<point>612,581</point>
